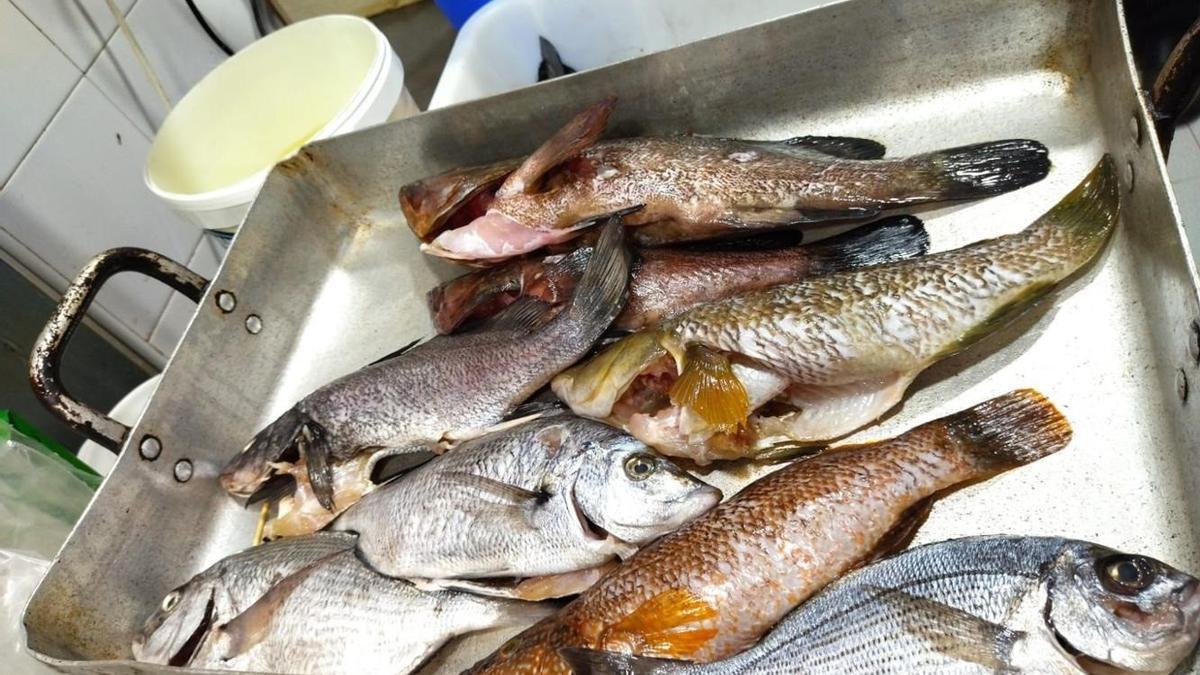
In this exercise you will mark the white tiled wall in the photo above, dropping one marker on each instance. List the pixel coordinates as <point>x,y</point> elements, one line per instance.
<point>1184,168</point>
<point>75,126</point>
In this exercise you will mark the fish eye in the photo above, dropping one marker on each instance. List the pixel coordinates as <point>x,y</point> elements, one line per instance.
<point>170,602</point>
<point>640,467</point>
<point>1126,574</point>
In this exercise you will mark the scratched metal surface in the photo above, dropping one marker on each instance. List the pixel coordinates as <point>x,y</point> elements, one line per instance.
<point>326,261</point>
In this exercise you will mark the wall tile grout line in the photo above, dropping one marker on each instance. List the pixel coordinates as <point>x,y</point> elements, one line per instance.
<point>42,133</point>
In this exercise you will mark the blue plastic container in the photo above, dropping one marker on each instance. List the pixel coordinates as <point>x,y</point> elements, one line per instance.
<point>458,11</point>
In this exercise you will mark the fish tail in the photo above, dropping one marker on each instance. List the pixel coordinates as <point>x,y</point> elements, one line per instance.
<point>983,169</point>
<point>888,240</point>
<point>600,293</point>
<point>509,612</point>
<point>593,662</point>
<point>1081,221</point>
<point>250,468</point>
<point>1010,430</point>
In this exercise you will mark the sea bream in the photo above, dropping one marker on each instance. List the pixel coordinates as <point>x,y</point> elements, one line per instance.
<point>685,188</point>
<point>666,281</point>
<point>332,615</point>
<point>972,606</point>
<point>777,371</point>
<point>435,394</point>
<point>555,498</point>
<point>715,586</point>
<point>224,590</point>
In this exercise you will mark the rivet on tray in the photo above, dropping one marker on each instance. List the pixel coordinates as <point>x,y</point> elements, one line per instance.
<point>254,324</point>
<point>1194,342</point>
<point>226,301</point>
<point>1135,129</point>
<point>183,470</point>
<point>1129,176</point>
<point>150,448</point>
<point>1181,385</point>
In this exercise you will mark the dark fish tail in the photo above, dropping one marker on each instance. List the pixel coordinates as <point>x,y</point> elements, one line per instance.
<point>592,662</point>
<point>888,240</point>
<point>982,169</point>
<point>1010,430</point>
<point>248,470</point>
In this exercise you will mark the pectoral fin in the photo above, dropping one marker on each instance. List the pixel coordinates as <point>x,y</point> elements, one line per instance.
<point>672,624</point>
<point>709,387</point>
<point>953,632</point>
<point>252,626</point>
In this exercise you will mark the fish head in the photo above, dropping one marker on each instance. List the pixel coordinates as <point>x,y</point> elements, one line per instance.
<point>637,495</point>
<point>1123,612</point>
<point>453,198</point>
<point>180,624</point>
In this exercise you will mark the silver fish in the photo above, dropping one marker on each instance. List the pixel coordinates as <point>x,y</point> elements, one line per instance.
<point>975,605</point>
<point>550,497</point>
<point>223,591</point>
<point>338,616</point>
<point>439,392</point>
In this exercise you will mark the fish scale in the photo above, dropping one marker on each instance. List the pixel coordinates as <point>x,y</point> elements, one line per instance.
<point>456,517</point>
<point>344,618</point>
<point>970,606</point>
<point>739,568</point>
<point>847,343</point>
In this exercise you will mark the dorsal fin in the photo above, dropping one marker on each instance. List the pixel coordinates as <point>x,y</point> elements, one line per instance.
<point>567,142</point>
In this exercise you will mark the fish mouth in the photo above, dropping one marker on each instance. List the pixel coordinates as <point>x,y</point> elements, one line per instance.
<point>189,648</point>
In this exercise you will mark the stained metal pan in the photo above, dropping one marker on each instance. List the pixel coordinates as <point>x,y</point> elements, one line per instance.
<point>328,273</point>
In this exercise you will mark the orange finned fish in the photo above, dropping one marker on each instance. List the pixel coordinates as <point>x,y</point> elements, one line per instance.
<point>712,588</point>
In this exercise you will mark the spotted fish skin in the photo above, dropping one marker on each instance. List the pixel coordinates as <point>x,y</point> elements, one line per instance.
<point>687,188</point>
<point>836,352</point>
<point>970,606</point>
<point>716,585</point>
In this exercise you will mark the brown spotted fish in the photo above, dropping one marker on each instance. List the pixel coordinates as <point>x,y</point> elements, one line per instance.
<point>685,188</point>
<point>666,281</point>
<point>774,372</point>
<point>714,587</point>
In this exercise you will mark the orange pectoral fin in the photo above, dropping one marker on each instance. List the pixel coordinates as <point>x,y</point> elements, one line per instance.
<point>711,389</point>
<point>673,624</point>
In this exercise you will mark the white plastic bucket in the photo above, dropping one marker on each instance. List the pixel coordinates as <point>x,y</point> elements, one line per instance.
<point>314,79</point>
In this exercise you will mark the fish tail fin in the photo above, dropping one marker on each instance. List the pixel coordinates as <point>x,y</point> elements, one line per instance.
<point>983,169</point>
<point>600,293</point>
<point>1010,430</point>
<point>250,468</point>
<point>594,662</point>
<point>889,240</point>
<point>1086,215</point>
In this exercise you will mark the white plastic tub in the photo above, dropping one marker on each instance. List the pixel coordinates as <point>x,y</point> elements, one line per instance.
<point>497,49</point>
<point>314,79</point>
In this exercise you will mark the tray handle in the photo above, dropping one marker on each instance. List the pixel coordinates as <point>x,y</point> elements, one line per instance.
<point>1176,86</point>
<point>48,350</point>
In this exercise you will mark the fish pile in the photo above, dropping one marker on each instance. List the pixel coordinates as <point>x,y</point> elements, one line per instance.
<point>640,313</point>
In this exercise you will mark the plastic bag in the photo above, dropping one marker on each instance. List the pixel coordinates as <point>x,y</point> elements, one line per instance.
<point>42,492</point>
<point>19,575</point>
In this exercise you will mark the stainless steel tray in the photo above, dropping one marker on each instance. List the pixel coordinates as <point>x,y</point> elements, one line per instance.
<point>327,265</point>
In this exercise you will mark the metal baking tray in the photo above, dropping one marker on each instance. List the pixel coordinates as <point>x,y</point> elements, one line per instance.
<point>333,276</point>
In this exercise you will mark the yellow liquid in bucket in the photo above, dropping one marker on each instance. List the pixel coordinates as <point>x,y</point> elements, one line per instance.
<point>261,105</point>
